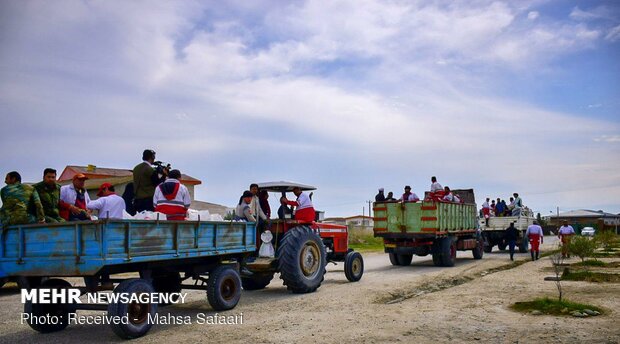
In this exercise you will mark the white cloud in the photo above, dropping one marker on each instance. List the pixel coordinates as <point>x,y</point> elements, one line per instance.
<point>613,34</point>
<point>388,82</point>
<point>608,138</point>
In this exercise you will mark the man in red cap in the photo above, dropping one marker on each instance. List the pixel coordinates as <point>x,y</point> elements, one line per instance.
<point>109,204</point>
<point>77,198</point>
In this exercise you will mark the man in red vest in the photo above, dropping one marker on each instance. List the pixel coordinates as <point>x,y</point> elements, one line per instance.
<point>172,198</point>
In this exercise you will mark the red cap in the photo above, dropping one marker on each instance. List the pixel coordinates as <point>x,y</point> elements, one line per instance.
<point>103,186</point>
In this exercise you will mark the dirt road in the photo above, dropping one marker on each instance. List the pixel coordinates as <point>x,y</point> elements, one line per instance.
<point>466,303</point>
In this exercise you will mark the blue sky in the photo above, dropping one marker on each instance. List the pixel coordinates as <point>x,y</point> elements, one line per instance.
<point>349,96</point>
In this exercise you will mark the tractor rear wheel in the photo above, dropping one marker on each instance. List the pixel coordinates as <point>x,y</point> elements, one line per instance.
<point>394,259</point>
<point>405,259</point>
<point>448,251</point>
<point>301,260</point>
<point>478,251</point>
<point>256,281</point>
<point>353,266</point>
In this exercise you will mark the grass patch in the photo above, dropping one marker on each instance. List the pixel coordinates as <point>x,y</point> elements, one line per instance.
<point>552,307</point>
<point>365,242</point>
<point>591,262</point>
<point>602,254</point>
<point>589,276</point>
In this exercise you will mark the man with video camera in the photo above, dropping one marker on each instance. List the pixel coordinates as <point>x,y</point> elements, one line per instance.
<point>146,176</point>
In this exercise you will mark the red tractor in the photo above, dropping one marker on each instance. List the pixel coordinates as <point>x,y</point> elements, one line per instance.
<point>302,250</point>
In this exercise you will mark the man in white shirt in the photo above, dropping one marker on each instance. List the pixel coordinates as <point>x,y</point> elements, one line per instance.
<point>76,196</point>
<point>255,204</point>
<point>435,186</point>
<point>304,210</point>
<point>448,196</point>
<point>109,204</point>
<point>565,233</point>
<point>535,234</point>
<point>486,211</point>
<point>409,196</point>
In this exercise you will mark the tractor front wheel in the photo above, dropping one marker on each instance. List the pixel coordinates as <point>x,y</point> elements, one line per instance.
<point>353,266</point>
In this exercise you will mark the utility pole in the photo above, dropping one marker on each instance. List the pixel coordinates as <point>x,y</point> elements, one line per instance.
<point>369,208</point>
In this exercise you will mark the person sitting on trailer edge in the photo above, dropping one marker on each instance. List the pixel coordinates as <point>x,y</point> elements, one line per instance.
<point>49,193</point>
<point>76,196</point>
<point>390,197</point>
<point>20,203</point>
<point>304,211</point>
<point>244,210</point>
<point>172,198</point>
<point>435,186</point>
<point>109,204</point>
<point>409,196</point>
<point>448,196</point>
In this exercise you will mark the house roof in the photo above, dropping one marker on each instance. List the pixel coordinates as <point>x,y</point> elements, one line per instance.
<point>583,213</point>
<point>113,175</point>
<point>358,217</point>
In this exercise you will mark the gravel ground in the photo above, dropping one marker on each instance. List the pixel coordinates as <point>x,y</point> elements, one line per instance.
<point>418,303</point>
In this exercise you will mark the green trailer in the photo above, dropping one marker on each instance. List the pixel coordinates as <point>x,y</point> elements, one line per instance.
<point>429,227</point>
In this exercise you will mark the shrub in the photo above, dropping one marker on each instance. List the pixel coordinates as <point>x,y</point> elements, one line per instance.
<point>607,239</point>
<point>582,247</point>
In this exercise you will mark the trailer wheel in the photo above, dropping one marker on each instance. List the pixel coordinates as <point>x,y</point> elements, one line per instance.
<point>353,266</point>
<point>138,314</point>
<point>448,252</point>
<point>394,259</point>
<point>488,248</point>
<point>57,310</point>
<point>501,246</point>
<point>301,260</point>
<point>167,283</point>
<point>478,251</point>
<point>405,259</point>
<point>256,281</point>
<point>223,288</point>
<point>523,247</point>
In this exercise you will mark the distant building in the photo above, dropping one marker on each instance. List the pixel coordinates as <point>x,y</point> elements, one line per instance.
<point>357,220</point>
<point>121,177</point>
<point>586,218</point>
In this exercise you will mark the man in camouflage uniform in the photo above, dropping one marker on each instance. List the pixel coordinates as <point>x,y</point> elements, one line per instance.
<point>49,193</point>
<point>20,203</point>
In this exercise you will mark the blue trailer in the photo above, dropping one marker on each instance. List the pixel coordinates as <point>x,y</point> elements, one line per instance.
<point>164,253</point>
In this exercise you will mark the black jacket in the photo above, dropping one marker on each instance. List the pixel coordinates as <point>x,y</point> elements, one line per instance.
<point>511,234</point>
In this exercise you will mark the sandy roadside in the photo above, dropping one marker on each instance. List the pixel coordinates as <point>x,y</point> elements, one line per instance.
<point>342,312</point>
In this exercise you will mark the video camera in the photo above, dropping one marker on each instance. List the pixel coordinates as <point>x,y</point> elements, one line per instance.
<point>161,167</point>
